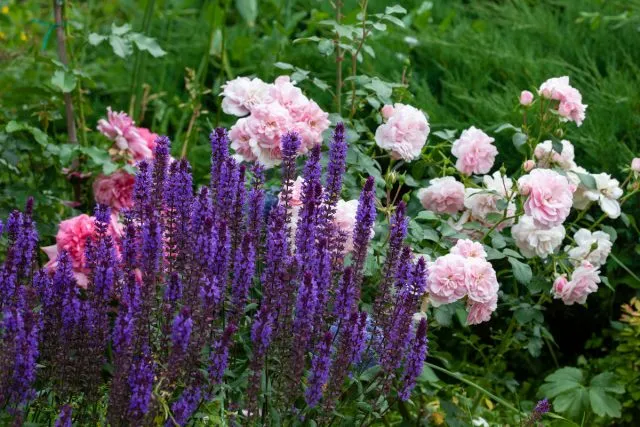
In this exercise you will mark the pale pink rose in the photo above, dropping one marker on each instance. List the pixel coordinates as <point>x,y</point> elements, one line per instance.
<point>593,247</point>
<point>481,312</point>
<point>484,201</point>
<point>288,95</point>
<point>468,249</point>
<point>548,157</point>
<point>606,193</point>
<point>570,105</point>
<point>242,94</point>
<point>475,152</point>
<point>72,237</point>
<point>535,241</point>
<point>635,165</point>
<point>115,190</point>
<point>404,133</point>
<point>240,136</point>
<point>526,98</point>
<point>528,165</point>
<point>443,195</point>
<point>446,281</point>
<point>584,281</point>
<point>345,221</point>
<point>310,123</point>
<point>387,111</point>
<point>480,280</point>
<point>549,197</point>
<point>137,142</point>
<point>266,124</point>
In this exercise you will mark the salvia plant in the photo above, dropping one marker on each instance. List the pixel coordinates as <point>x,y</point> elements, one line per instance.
<point>210,298</point>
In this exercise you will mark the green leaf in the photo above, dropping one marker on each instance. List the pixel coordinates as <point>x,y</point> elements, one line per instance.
<point>566,374</point>
<point>40,137</point>
<point>394,9</point>
<point>427,215</point>
<point>382,89</point>
<point>557,146</point>
<point>494,217</point>
<point>604,404</point>
<point>394,21</point>
<point>587,180</point>
<point>121,47</point>
<point>95,39</point>
<point>147,43</point>
<point>283,66</point>
<point>519,140</point>
<point>521,271</point>
<point>248,10</point>
<point>119,31</point>
<point>512,253</point>
<point>608,382</point>
<point>573,403</point>
<point>64,81</point>
<point>326,46</point>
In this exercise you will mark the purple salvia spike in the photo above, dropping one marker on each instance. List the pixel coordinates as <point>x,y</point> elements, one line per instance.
<point>335,170</point>
<point>183,408</point>
<point>244,269</point>
<point>160,169</point>
<point>220,355</point>
<point>64,418</point>
<point>140,383</point>
<point>344,300</point>
<point>290,143</point>
<point>320,366</point>
<point>219,155</point>
<point>365,217</point>
<point>142,191</point>
<point>237,209</point>
<point>255,206</point>
<point>414,361</point>
<point>181,333</point>
<point>306,304</point>
<point>179,199</point>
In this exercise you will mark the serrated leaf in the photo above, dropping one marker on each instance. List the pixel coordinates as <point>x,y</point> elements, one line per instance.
<point>521,271</point>
<point>604,404</point>
<point>119,31</point>
<point>511,252</point>
<point>566,374</point>
<point>40,137</point>
<point>95,39</point>
<point>494,217</point>
<point>325,47</point>
<point>64,81</point>
<point>148,44</point>
<point>573,403</point>
<point>427,215</point>
<point>121,46</point>
<point>493,253</point>
<point>608,382</point>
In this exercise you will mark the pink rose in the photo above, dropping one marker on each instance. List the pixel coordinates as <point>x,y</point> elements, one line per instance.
<point>481,312</point>
<point>72,237</point>
<point>404,133</point>
<point>241,140</point>
<point>266,124</point>
<point>443,195</point>
<point>635,164</point>
<point>115,190</point>
<point>387,111</point>
<point>528,165</point>
<point>526,98</point>
<point>241,94</point>
<point>468,249</point>
<point>480,280</point>
<point>584,281</point>
<point>475,152</point>
<point>548,157</point>
<point>570,106</point>
<point>137,142</point>
<point>446,281</point>
<point>311,121</point>
<point>550,196</point>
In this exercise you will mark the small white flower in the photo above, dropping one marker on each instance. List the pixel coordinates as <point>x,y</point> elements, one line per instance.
<point>480,422</point>
<point>534,241</point>
<point>593,247</point>
<point>607,193</point>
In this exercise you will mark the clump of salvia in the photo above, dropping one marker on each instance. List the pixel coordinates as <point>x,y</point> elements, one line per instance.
<point>207,297</point>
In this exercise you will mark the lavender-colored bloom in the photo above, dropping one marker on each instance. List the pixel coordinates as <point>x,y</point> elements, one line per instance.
<point>244,269</point>
<point>308,216</point>
<point>290,143</point>
<point>141,384</point>
<point>320,366</point>
<point>64,418</point>
<point>262,330</point>
<point>345,297</point>
<point>323,278</point>
<point>160,168</point>
<point>178,200</point>
<point>365,217</point>
<point>220,355</point>
<point>219,154</point>
<point>142,191</point>
<point>306,305</point>
<point>183,408</point>
<point>181,331</point>
<point>414,361</point>
<point>335,171</point>
<point>542,407</point>
<point>256,206</point>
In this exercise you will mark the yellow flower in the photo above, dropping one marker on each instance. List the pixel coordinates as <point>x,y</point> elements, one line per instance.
<point>23,36</point>
<point>5,10</point>
<point>2,35</point>
<point>437,418</point>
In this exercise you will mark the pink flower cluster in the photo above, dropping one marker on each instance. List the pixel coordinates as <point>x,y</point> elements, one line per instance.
<point>465,272</point>
<point>549,197</point>
<point>584,281</point>
<point>135,143</point>
<point>443,195</point>
<point>475,152</point>
<point>72,237</point>
<point>570,106</point>
<point>272,109</point>
<point>115,190</point>
<point>404,132</point>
